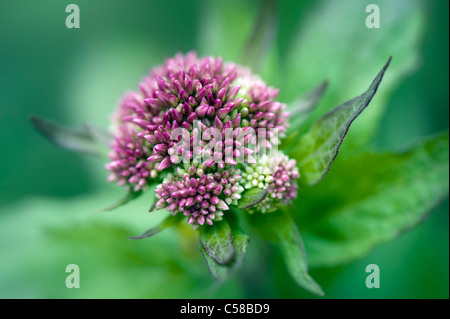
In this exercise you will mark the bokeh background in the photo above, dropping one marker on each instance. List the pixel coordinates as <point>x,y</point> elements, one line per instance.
<point>74,76</point>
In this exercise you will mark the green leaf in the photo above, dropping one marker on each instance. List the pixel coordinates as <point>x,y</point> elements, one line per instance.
<point>131,195</point>
<point>169,221</point>
<point>289,142</point>
<point>279,228</point>
<point>252,197</point>
<point>101,136</point>
<point>220,272</point>
<point>239,242</point>
<point>217,240</point>
<point>319,147</point>
<point>90,140</point>
<point>372,199</point>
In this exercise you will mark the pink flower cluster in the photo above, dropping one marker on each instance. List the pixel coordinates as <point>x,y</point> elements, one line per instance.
<point>284,186</point>
<point>278,174</point>
<point>129,164</point>
<point>203,97</point>
<point>199,196</point>
<point>187,89</point>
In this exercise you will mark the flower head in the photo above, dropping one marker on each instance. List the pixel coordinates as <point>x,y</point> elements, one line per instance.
<point>194,122</point>
<point>188,90</point>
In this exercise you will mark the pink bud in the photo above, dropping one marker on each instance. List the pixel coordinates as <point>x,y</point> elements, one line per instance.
<point>201,220</point>
<point>222,205</point>
<point>165,163</point>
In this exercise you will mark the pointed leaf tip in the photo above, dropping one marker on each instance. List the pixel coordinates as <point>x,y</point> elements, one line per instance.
<point>170,221</point>
<point>85,140</point>
<point>279,228</point>
<point>125,199</point>
<point>319,147</point>
<point>252,197</point>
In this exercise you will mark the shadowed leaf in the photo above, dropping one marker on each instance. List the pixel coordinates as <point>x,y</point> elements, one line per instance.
<point>217,240</point>
<point>221,272</point>
<point>124,200</point>
<point>84,141</point>
<point>100,135</point>
<point>261,37</point>
<point>279,228</point>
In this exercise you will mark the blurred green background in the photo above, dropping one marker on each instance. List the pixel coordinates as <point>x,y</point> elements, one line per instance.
<point>73,76</point>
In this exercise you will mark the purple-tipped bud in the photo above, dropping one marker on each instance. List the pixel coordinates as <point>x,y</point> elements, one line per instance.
<point>190,201</point>
<point>183,95</point>
<point>163,97</point>
<point>160,149</point>
<point>142,123</point>
<point>221,113</point>
<point>218,123</point>
<point>201,220</point>
<point>211,111</point>
<point>200,94</point>
<point>201,110</point>
<point>192,117</point>
<point>156,158</point>
<point>222,205</point>
<point>237,121</point>
<point>233,92</point>
<point>161,203</point>
<point>163,85</point>
<point>164,163</point>
<point>177,116</point>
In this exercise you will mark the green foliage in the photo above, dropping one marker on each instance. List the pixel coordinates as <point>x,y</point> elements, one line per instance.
<point>370,199</point>
<point>58,232</point>
<point>217,241</point>
<point>218,272</point>
<point>261,37</point>
<point>221,272</point>
<point>223,247</point>
<point>365,199</point>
